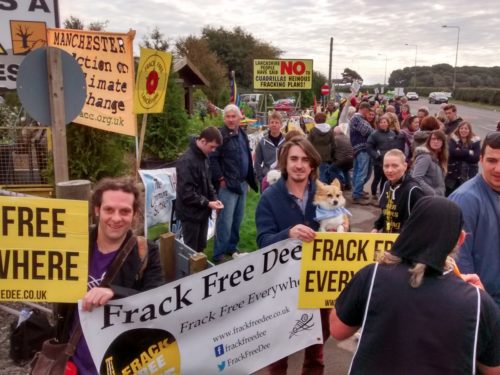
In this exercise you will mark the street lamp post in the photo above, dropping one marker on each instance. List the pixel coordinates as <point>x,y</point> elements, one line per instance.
<point>385,72</point>
<point>456,54</point>
<point>415,72</point>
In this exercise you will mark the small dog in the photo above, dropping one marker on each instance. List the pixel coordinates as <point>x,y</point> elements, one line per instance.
<point>273,176</point>
<point>330,211</point>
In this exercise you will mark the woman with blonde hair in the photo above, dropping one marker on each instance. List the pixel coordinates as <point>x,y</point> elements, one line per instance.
<point>430,164</point>
<point>464,147</point>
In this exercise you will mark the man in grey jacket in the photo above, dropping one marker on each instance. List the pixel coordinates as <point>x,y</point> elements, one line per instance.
<point>267,148</point>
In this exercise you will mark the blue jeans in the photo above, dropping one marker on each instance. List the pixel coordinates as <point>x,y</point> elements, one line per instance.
<point>324,173</point>
<point>227,227</point>
<point>360,173</point>
<point>341,174</point>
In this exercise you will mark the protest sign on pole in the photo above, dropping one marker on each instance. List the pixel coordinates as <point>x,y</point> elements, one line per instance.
<point>108,64</point>
<point>237,317</point>
<point>44,249</point>
<point>282,74</point>
<point>330,261</point>
<point>24,24</point>
<point>159,194</point>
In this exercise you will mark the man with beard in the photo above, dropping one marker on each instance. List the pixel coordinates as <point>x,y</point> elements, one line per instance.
<point>286,210</point>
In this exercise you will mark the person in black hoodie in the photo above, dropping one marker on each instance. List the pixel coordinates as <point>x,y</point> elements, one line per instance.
<point>399,194</point>
<point>452,119</point>
<point>379,142</point>
<point>196,197</point>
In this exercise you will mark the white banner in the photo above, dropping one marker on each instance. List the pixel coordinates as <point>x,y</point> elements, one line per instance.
<point>235,318</point>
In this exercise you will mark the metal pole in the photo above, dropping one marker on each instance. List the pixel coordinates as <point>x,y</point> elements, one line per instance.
<point>330,68</point>
<point>456,60</point>
<point>416,47</point>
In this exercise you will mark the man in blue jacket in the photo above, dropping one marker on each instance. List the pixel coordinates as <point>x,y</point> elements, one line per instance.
<point>479,199</point>
<point>232,173</point>
<point>285,210</point>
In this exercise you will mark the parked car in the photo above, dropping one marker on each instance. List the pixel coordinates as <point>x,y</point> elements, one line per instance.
<point>438,98</point>
<point>412,95</point>
<point>285,105</point>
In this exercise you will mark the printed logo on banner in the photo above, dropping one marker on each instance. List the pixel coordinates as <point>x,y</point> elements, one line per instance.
<point>219,350</point>
<point>27,35</point>
<point>144,351</point>
<point>305,323</point>
<point>222,366</point>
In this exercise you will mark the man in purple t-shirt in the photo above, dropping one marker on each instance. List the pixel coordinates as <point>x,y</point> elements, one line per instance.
<point>115,203</point>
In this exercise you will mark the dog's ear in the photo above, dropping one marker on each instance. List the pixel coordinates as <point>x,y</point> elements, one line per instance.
<point>319,185</point>
<point>336,183</point>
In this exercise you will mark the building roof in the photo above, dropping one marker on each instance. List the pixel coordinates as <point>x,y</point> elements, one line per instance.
<point>189,73</point>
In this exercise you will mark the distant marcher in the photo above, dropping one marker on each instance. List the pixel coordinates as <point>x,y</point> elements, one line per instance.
<point>232,174</point>
<point>360,130</point>
<point>464,147</point>
<point>416,315</point>
<point>321,137</point>
<point>332,114</point>
<point>431,163</point>
<point>379,142</point>
<point>267,148</point>
<point>196,196</point>
<point>404,113</point>
<point>409,129</point>
<point>372,118</point>
<point>342,159</point>
<point>452,119</point>
<point>399,195</point>
<point>479,200</point>
<point>422,112</point>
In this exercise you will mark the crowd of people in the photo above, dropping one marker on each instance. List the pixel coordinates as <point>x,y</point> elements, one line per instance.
<point>430,306</point>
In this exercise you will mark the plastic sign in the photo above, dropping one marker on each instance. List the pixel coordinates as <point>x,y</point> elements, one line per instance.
<point>44,249</point>
<point>152,79</point>
<point>23,24</point>
<point>282,74</point>
<point>330,261</point>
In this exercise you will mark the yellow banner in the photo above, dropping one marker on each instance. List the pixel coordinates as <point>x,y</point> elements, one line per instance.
<point>152,79</point>
<point>331,260</point>
<point>108,64</point>
<point>282,74</point>
<point>44,249</point>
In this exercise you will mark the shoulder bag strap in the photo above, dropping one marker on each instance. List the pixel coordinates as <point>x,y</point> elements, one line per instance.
<point>108,278</point>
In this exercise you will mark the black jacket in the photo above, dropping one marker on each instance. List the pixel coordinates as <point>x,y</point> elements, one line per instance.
<point>194,188</point>
<point>451,126</point>
<point>225,161</point>
<point>379,142</point>
<point>126,282</point>
<point>396,203</point>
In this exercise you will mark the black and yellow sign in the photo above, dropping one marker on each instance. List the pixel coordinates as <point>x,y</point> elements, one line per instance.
<point>27,35</point>
<point>330,261</point>
<point>3,51</point>
<point>282,74</point>
<point>44,249</point>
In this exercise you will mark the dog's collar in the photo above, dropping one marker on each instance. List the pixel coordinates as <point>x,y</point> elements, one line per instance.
<point>322,214</point>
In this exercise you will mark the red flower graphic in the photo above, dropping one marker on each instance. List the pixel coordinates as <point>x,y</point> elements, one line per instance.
<point>152,82</point>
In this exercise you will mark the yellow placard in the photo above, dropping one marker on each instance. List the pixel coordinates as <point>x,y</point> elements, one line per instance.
<point>27,36</point>
<point>152,79</point>
<point>44,249</point>
<point>282,74</point>
<point>331,260</point>
<point>108,64</point>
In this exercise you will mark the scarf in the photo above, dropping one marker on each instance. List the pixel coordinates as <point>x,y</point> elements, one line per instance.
<point>322,214</point>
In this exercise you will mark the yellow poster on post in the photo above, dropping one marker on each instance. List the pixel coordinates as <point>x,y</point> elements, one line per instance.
<point>330,261</point>
<point>108,64</point>
<point>152,79</point>
<point>282,74</point>
<point>44,249</point>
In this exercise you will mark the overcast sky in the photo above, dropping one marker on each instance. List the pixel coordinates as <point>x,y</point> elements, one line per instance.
<point>364,31</point>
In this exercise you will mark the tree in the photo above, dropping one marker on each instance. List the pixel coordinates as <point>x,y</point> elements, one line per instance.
<point>199,53</point>
<point>237,50</point>
<point>350,75</point>
<point>155,40</point>
<point>73,23</point>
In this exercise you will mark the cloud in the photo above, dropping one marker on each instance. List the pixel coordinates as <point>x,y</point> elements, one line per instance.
<point>364,31</point>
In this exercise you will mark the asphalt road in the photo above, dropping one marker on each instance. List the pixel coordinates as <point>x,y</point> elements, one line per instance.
<point>482,120</point>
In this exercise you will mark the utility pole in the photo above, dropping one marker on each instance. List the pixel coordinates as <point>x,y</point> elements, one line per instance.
<point>330,69</point>
<point>456,55</point>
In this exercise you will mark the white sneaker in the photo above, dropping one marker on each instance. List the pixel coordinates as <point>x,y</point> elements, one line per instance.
<point>237,255</point>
